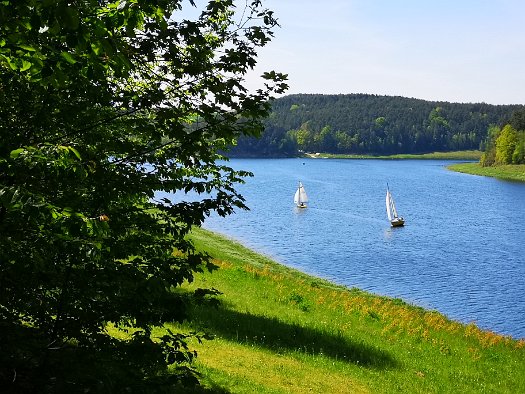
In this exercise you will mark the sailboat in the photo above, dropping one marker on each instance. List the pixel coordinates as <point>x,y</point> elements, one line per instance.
<point>300,198</point>
<point>395,220</point>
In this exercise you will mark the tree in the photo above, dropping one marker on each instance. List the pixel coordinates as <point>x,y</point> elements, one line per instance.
<point>438,127</point>
<point>488,157</point>
<point>506,145</point>
<point>380,122</point>
<point>304,137</point>
<point>327,140</point>
<point>518,156</point>
<point>517,120</point>
<point>104,105</point>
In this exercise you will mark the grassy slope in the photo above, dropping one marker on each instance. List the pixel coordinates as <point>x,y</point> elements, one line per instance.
<point>281,331</point>
<point>507,172</point>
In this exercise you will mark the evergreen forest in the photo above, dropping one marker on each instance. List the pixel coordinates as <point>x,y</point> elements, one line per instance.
<point>372,124</point>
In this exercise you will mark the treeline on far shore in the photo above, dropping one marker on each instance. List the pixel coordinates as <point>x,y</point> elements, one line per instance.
<point>377,125</point>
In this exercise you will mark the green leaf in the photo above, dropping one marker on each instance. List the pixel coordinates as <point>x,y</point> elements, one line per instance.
<point>13,64</point>
<point>26,47</point>
<point>77,154</point>
<point>15,153</point>
<point>25,65</point>
<point>68,211</point>
<point>97,48</point>
<point>68,57</point>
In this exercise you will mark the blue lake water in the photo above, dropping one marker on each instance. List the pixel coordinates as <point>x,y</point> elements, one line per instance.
<point>461,251</point>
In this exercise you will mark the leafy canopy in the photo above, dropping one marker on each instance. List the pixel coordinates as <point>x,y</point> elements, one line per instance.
<point>103,104</point>
<point>506,145</point>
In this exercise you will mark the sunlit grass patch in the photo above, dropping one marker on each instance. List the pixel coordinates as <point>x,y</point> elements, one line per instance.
<point>281,330</point>
<point>255,369</point>
<point>506,172</point>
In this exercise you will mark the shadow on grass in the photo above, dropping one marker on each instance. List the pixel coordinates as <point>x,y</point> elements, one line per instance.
<point>278,336</point>
<point>214,389</point>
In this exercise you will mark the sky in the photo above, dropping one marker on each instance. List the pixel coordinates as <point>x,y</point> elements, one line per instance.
<point>466,51</point>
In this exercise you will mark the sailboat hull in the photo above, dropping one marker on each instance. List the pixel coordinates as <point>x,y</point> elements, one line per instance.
<point>397,222</point>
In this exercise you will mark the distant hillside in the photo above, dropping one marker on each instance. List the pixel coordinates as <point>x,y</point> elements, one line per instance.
<point>371,124</point>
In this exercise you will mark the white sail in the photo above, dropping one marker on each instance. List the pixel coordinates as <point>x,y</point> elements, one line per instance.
<point>300,197</point>
<point>391,210</point>
<point>296,197</point>
<point>302,194</point>
<point>393,207</point>
<point>389,205</point>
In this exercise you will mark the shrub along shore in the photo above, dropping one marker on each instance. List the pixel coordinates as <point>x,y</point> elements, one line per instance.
<point>278,330</point>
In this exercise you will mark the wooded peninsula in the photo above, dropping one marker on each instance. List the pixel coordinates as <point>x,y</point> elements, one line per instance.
<point>373,125</point>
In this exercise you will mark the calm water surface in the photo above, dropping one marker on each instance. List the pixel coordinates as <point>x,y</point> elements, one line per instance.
<point>461,251</point>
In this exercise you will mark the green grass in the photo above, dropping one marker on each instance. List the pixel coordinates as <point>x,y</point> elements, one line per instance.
<point>506,172</point>
<point>281,331</point>
<point>457,155</point>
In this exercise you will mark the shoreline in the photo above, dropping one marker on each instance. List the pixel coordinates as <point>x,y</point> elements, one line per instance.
<point>467,162</point>
<point>276,327</point>
<point>263,261</point>
<point>471,155</point>
<point>512,173</point>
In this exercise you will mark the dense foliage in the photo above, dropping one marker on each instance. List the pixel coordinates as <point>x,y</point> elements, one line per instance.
<point>506,145</point>
<point>102,104</point>
<point>370,124</point>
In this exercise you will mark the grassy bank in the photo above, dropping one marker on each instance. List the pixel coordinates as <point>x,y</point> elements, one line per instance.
<point>459,155</point>
<point>507,172</point>
<point>280,331</point>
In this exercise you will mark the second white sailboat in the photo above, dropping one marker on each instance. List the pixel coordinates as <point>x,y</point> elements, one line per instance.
<point>300,198</point>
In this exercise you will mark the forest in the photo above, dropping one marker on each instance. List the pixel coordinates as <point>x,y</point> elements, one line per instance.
<point>372,124</point>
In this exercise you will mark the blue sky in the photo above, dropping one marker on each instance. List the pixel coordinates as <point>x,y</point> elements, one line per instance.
<point>448,50</point>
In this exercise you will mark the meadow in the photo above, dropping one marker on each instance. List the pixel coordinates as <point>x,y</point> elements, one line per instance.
<point>507,172</point>
<point>277,330</point>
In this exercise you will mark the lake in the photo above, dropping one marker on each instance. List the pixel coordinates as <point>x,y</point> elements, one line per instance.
<point>461,251</point>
